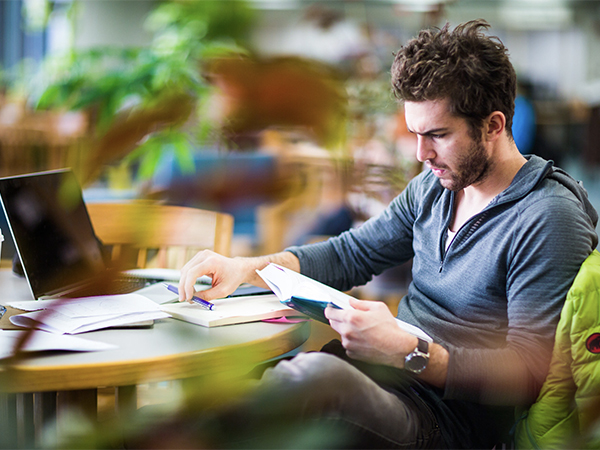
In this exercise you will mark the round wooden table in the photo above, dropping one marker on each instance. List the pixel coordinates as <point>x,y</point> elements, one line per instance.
<point>169,350</point>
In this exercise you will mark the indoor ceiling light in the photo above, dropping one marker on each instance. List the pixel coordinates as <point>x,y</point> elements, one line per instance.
<point>536,14</point>
<point>418,5</point>
<point>278,4</point>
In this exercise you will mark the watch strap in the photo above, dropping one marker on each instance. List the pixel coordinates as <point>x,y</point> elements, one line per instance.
<point>423,346</point>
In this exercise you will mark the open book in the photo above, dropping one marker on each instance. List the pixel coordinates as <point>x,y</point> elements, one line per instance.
<point>311,297</point>
<point>231,310</point>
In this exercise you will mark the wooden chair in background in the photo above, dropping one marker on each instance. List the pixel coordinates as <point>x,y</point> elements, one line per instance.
<point>162,235</point>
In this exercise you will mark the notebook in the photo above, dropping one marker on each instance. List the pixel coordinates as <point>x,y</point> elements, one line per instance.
<point>231,310</point>
<point>54,237</point>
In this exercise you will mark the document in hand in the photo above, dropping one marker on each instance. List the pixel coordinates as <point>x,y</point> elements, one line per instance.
<point>78,315</point>
<point>231,310</point>
<point>311,297</point>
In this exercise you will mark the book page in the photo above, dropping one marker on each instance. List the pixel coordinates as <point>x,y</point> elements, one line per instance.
<point>231,310</point>
<point>286,283</point>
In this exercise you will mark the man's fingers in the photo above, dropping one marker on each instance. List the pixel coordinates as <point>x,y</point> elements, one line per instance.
<point>188,279</point>
<point>363,305</point>
<point>334,314</point>
<point>218,290</point>
<point>189,275</point>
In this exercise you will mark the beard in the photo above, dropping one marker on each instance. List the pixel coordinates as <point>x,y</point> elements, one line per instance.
<point>472,167</point>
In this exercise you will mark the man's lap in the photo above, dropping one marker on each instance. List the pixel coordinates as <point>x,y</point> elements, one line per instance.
<point>314,400</point>
<point>324,387</point>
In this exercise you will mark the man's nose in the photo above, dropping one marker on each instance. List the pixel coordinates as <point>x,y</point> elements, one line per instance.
<point>424,149</point>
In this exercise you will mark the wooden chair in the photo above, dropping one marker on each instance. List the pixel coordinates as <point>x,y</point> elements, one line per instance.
<point>162,235</point>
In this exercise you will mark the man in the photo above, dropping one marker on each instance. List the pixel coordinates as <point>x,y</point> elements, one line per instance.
<point>496,240</point>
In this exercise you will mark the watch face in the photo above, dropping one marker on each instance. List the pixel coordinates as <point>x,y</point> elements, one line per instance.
<point>415,363</point>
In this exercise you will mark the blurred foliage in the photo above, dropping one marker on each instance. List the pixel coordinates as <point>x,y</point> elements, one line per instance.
<point>111,82</point>
<point>208,20</point>
<point>379,171</point>
<point>368,98</point>
<point>291,93</point>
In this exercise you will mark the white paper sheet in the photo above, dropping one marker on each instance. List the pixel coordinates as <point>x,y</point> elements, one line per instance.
<point>79,315</point>
<point>92,306</point>
<point>42,341</point>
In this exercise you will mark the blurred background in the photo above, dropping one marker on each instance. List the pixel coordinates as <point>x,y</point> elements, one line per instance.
<point>277,111</point>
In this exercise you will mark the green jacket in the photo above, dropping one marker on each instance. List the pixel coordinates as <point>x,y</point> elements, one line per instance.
<point>569,402</point>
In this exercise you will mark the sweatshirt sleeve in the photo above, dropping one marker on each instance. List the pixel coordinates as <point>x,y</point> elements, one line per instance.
<point>355,256</point>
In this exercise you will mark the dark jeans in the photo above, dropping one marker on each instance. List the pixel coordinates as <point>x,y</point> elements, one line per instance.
<point>325,391</point>
<point>327,400</point>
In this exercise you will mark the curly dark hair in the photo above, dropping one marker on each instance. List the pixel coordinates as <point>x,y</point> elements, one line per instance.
<point>465,66</point>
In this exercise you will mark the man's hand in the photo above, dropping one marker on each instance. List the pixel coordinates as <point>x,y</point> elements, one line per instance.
<point>227,273</point>
<point>370,333</point>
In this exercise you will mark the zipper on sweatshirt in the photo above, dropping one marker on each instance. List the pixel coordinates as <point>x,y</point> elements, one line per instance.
<point>475,222</point>
<point>444,235</point>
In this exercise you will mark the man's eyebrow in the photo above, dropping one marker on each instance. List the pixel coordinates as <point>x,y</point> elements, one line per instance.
<point>430,132</point>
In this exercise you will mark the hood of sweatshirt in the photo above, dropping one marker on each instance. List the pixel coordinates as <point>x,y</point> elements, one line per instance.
<point>534,172</point>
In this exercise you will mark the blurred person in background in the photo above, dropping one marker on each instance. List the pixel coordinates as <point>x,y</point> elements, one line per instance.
<point>524,121</point>
<point>496,240</point>
<point>325,34</point>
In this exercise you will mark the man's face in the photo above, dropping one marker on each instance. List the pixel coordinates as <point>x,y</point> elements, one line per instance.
<point>445,144</point>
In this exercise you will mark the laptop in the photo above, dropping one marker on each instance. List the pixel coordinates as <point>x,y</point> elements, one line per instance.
<point>54,238</point>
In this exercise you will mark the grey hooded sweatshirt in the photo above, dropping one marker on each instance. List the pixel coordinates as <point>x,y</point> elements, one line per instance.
<point>494,297</point>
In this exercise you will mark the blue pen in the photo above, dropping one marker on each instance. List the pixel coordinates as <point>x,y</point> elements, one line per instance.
<point>198,300</point>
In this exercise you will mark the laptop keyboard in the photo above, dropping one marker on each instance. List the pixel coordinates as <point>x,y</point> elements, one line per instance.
<point>119,285</point>
<point>126,285</point>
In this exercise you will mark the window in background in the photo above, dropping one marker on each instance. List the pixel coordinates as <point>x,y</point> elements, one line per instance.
<point>18,41</point>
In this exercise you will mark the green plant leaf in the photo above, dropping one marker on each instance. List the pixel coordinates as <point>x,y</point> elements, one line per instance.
<point>53,95</point>
<point>149,161</point>
<point>183,153</point>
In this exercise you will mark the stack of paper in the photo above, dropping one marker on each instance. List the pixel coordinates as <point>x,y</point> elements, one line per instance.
<point>78,315</point>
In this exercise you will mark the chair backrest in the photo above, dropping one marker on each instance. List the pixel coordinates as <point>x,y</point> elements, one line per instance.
<point>161,235</point>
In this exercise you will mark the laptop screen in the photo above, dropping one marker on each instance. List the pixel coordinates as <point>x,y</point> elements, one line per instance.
<point>51,229</point>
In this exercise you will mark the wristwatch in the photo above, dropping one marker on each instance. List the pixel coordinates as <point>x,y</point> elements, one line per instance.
<point>417,360</point>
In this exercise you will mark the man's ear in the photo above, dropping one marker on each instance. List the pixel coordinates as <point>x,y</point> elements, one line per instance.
<point>495,125</point>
